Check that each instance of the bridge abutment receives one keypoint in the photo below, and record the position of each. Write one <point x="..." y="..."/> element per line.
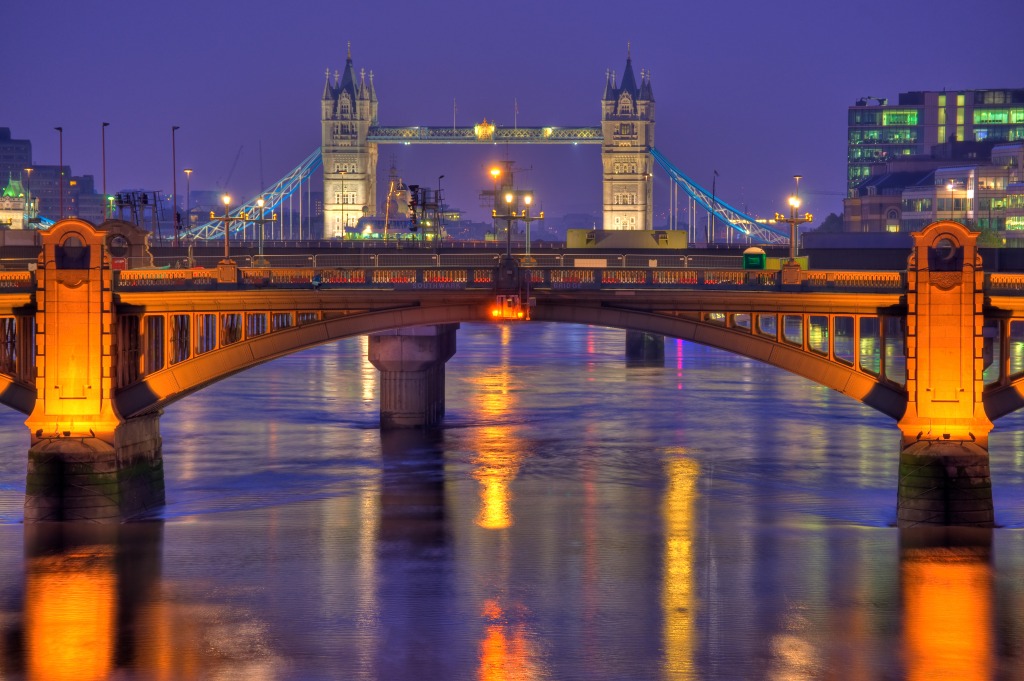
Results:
<point x="411" y="363"/>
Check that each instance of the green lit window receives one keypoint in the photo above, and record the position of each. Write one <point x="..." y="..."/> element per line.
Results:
<point x="899" y="117"/>
<point x="991" y="116"/>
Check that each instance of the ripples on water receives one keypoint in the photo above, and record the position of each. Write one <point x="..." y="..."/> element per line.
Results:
<point x="574" y="519"/>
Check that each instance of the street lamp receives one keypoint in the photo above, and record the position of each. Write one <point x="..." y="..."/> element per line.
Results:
<point x="188" y="197"/>
<point x="495" y="174"/>
<point x="439" y="218"/>
<point x="103" y="143"/>
<point x="28" y="192"/>
<point x="344" y="215"/>
<point x="949" y="186"/>
<point x="174" y="185"/>
<point x="508" y="216"/>
<point x="60" y="133"/>
<point x="261" y="220"/>
<point x="527" y="218"/>
<point x="226" y="200"/>
<point x="793" y="219"/>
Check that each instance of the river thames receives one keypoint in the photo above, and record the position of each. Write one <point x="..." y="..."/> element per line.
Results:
<point x="575" y="518"/>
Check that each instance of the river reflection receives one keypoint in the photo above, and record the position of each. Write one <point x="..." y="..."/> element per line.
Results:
<point x="574" y="519"/>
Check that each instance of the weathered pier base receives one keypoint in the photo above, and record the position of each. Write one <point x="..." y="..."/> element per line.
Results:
<point x="944" y="483"/>
<point x="645" y="349"/>
<point x="411" y="362"/>
<point x="103" y="478"/>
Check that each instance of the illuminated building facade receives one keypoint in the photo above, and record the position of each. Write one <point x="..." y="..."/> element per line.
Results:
<point x="627" y="128"/>
<point x="879" y="132"/>
<point x="981" y="186"/>
<point x="348" y="109"/>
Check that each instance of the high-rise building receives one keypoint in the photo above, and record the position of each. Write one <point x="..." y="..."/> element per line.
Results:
<point x="15" y="156"/>
<point x="879" y="132"/>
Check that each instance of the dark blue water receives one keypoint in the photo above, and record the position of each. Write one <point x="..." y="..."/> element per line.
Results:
<point x="574" y="519"/>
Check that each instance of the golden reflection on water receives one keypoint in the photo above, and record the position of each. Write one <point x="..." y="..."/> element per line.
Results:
<point x="947" y="600"/>
<point x="506" y="651"/>
<point x="498" y="445"/>
<point x="678" y="607"/>
<point x="70" y="610"/>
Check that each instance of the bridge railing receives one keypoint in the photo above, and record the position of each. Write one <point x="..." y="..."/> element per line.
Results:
<point x="403" y="275"/>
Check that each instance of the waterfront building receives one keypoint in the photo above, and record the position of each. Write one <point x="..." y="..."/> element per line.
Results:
<point x="14" y="205"/>
<point x="879" y="132"/>
<point x="980" y="187"/>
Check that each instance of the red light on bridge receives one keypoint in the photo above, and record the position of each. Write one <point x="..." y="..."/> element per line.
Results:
<point x="509" y="307"/>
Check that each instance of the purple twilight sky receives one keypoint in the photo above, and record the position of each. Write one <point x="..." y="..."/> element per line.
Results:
<point x="757" y="91"/>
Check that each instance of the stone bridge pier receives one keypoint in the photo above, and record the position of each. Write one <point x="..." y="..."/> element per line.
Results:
<point x="944" y="474"/>
<point x="85" y="462"/>
<point x="411" y="362"/>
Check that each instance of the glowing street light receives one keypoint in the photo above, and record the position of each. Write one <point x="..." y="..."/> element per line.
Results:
<point x="793" y="219"/>
<point x="226" y="200"/>
<point x="527" y="218"/>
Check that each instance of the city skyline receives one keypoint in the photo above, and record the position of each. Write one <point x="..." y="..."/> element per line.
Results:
<point x="750" y="93"/>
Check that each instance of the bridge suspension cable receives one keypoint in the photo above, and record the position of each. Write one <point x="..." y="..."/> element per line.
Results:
<point x="273" y="197"/>
<point x="735" y="219"/>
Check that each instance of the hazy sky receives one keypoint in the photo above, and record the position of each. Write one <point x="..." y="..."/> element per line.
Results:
<point x="757" y="91"/>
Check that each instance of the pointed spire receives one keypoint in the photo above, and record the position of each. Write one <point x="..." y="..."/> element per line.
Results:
<point x="609" y="86"/>
<point x="373" y="91"/>
<point x="628" y="79"/>
<point x="328" y="93"/>
<point x="349" y="50"/>
<point x="348" y="76"/>
<point x="362" y="85"/>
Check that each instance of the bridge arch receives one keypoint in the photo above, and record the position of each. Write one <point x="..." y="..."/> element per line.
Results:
<point x="164" y="387"/>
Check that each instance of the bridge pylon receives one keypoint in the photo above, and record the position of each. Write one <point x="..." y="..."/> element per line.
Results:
<point x="86" y="462"/>
<point x="944" y="462"/>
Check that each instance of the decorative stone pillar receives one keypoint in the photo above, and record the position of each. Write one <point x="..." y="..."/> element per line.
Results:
<point x="944" y="463"/>
<point x="411" y="362"/>
<point x="86" y="462"/>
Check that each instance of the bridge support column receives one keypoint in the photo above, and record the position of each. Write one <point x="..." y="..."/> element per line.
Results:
<point x="108" y="477"/>
<point x="645" y="349"/>
<point x="411" y="363"/>
<point x="86" y="461"/>
<point x="944" y="463"/>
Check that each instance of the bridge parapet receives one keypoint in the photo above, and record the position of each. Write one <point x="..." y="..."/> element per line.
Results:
<point x="565" y="278"/>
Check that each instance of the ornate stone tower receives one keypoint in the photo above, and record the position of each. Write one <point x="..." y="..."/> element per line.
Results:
<point x="348" y="109"/>
<point x="627" y="125"/>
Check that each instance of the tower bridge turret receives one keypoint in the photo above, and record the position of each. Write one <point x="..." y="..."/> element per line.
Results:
<point x="348" y="110"/>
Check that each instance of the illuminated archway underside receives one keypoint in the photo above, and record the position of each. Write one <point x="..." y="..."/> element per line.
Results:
<point x="164" y="387"/>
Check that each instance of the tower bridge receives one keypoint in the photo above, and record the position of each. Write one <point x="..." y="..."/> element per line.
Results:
<point x="91" y="355"/>
<point x="351" y="132"/>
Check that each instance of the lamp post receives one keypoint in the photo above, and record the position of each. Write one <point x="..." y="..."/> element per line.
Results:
<point x="509" y="216"/>
<point x="439" y="218"/>
<point x="226" y="200"/>
<point x="344" y="216"/>
<point x="527" y="218"/>
<point x="174" y="185"/>
<point x="103" y="145"/>
<point x="793" y="219"/>
<point x="495" y="174"/>
<point x="60" y="162"/>
<point x="261" y="220"/>
<point x="188" y="197"/>
<point x="949" y="186"/>
<point x="28" y="193"/>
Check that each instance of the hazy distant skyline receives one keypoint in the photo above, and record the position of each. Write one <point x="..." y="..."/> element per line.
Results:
<point x="756" y="91"/>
